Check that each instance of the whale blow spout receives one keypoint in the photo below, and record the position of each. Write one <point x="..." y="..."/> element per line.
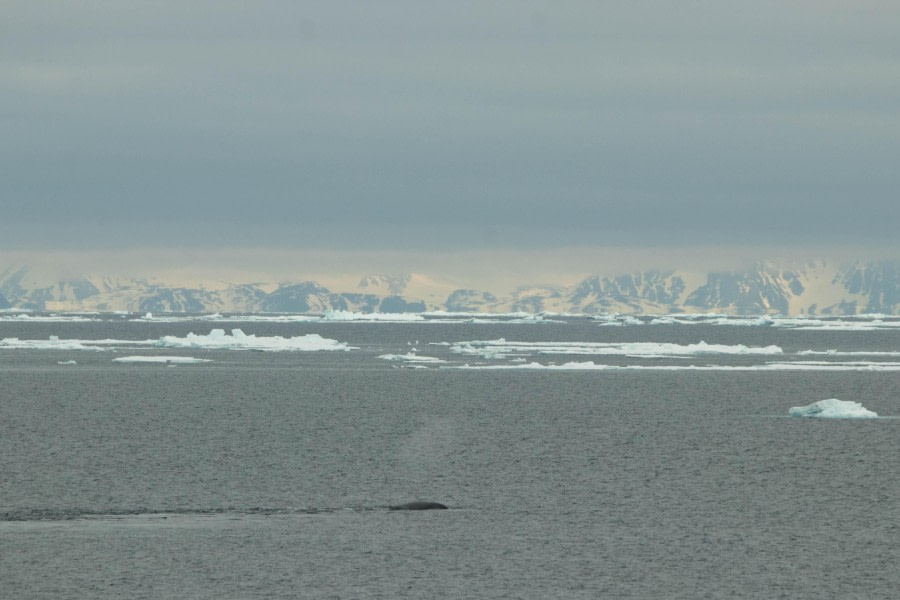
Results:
<point x="418" y="505"/>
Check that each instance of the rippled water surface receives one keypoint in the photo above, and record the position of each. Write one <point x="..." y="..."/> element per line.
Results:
<point x="269" y="474"/>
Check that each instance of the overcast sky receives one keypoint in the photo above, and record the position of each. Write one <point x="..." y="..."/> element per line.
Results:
<point x="411" y="127"/>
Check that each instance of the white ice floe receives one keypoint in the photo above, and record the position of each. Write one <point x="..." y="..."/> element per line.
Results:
<point x="847" y="353"/>
<point x="235" y="318"/>
<point x="150" y="318"/>
<point x="833" y="409"/>
<point x="616" y="320"/>
<point x="217" y="339"/>
<point x="53" y="343"/>
<point x="264" y="318"/>
<point x="780" y="366"/>
<point x="411" y="357"/>
<point x="66" y="362"/>
<point x="480" y="318"/>
<point x="471" y="314"/>
<point x="344" y="315"/>
<point x="664" y="321"/>
<point x="180" y="360"/>
<point x="23" y="318"/>
<point x="686" y="319"/>
<point x="841" y="325"/>
<point x="238" y="340"/>
<point x="501" y="348"/>
<point x="534" y="319"/>
<point x="812" y="365"/>
<point x="763" y="321"/>
<point x="802" y="323"/>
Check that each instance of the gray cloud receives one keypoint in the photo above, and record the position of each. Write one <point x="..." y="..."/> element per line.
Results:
<point x="401" y="124"/>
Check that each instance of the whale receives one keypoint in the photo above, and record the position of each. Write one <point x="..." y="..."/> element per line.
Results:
<point x="418" y="505"/>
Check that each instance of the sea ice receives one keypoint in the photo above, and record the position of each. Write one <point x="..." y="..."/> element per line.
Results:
<point x="500" y="348"/>
<point x="412" y="358"/>
<point x="807" y="324"/>
<point x="664" y="321"/>
<point x="253" y="318"/>
<point x="23" y="318"/>
<point x="616" y="320"/>
<point x="344" y="315"/>
<point x="181" y="360"/>
<point x="781" y="366"/>
<point x="833" y="409"/>
<point x="54" y="343"/>
<point x="238" y="340"/>
<point x="846" y="353"/>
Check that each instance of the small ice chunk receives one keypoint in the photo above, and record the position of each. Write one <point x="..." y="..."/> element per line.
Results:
<point x="833" y="409"/>
<point x="66" y="362"/>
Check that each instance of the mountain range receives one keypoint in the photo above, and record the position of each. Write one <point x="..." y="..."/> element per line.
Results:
<point x="815" y="287"/>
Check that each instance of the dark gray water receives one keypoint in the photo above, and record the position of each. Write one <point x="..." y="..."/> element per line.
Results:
<point x="268" y="474"/>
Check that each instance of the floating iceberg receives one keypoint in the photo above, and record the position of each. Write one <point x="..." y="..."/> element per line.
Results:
<point x="238" y="340"/>
<point x="180" y="360"/>
<point x="833" y="409"/>
<point x="66" y="362"/>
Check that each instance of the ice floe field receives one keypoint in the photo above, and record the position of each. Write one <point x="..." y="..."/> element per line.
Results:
<point x="237" y="456"/>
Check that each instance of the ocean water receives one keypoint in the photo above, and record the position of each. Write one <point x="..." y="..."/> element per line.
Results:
<point x="269" y="474"/>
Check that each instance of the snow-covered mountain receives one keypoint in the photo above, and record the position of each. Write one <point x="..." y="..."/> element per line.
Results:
<point x="811" y="288"/>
